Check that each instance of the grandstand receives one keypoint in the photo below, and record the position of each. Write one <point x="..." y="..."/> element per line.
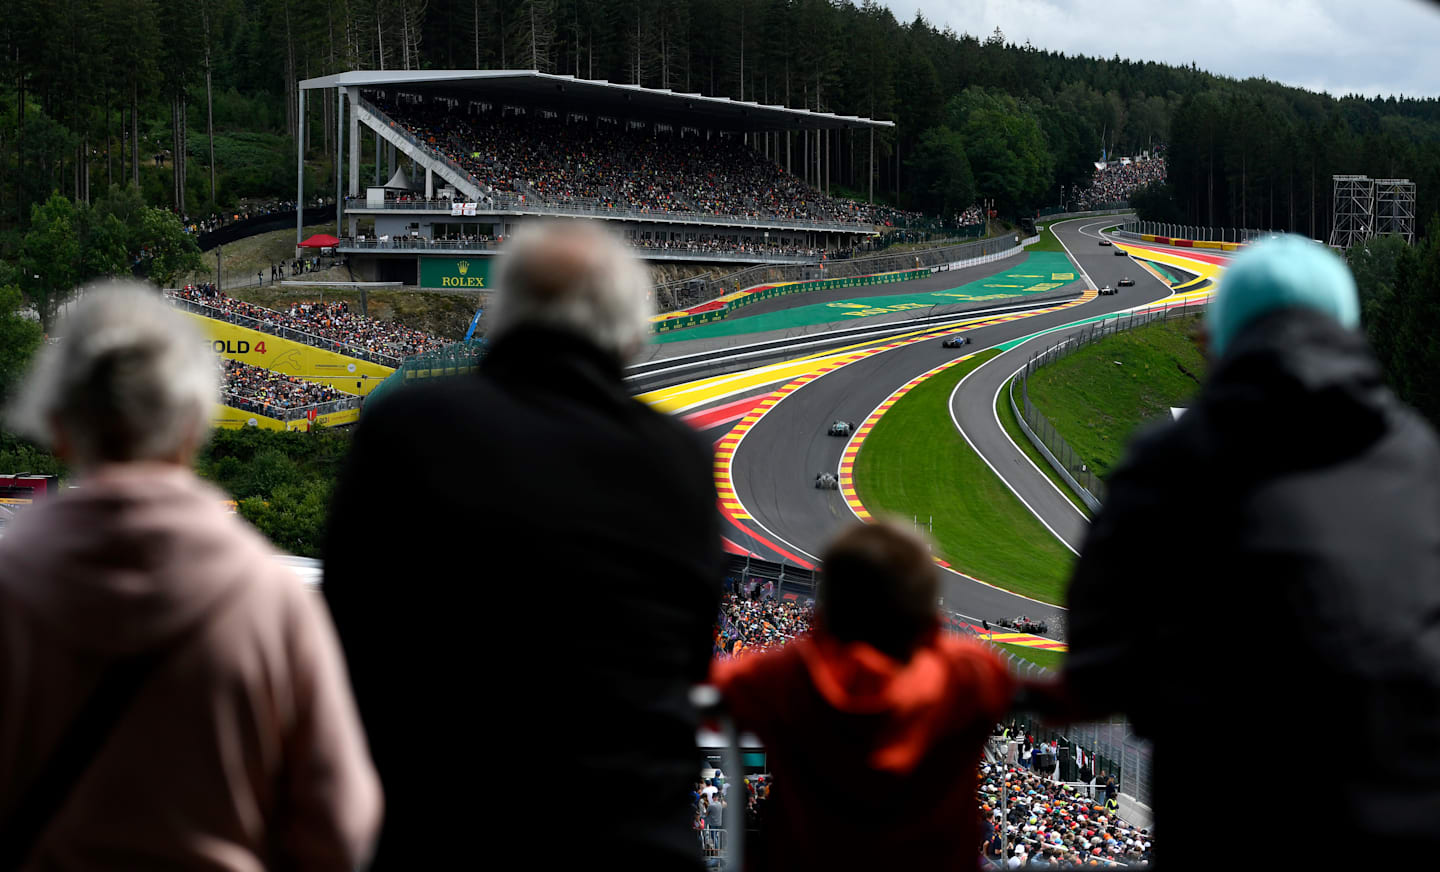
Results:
<point x="463" y="157"/>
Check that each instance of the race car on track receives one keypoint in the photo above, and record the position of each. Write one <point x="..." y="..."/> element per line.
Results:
<point x="1104" y="242"/>
<point x="1127" y="282"/>
<point x="841" y="428"/>
<point x="827" y="481"/>
<point x="1119" y="252"/>
<point x="1107" y="291"/>
<point x="1023" y="624"/>
<point x="955" y="341"/>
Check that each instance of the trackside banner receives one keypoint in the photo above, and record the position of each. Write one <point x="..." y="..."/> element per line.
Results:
<point x="349" y="374"/>
<point x="455" y="272"/>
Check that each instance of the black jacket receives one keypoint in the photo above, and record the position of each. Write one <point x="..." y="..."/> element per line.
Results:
<point x="1274" y="557"/>
<point x="524" y="569"/>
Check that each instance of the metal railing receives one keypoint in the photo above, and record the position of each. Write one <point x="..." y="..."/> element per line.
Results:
<point x="1197" y="233"/>
<point x="422" y="243"/>
<point x="1057" y="213"/>
<point x="288" y="413"/>
<point x="347" y="349"/>
<point x="1042" y="434"/>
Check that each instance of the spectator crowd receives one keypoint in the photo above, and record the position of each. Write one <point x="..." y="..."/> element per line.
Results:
<point x="1118" y="180"/>
<point x="331" y="321"/>
<point x="267" y="392"/>
<point x="754" y="618"/>
<point x="1050" y="824"/>
<point x="606" y="165"/>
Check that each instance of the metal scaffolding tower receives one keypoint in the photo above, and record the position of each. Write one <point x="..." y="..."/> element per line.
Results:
<point x="1395" y="208"/>
<point x="1354" y="211"/>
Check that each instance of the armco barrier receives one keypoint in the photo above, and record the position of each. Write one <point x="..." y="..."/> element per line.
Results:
<point x="731" y="302"/>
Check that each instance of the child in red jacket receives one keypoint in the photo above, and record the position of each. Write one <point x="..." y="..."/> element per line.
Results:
<point x="874" y="725"/>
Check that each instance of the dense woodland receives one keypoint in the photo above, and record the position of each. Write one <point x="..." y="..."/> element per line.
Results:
<point x="99" y="88"/>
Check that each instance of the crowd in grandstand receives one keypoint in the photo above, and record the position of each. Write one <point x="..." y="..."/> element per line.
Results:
<point x="616" y="166"/>
<point x="330" y="321"/>
<point x="1050" y="824"/>
<point x="1118" y="180"/>
<point x="267" y="392"/>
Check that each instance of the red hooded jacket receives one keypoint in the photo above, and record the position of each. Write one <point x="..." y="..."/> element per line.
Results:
<point x="874" y="760"/>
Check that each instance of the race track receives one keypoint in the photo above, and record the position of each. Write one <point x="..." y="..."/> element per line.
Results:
<point x="771" y="459"/>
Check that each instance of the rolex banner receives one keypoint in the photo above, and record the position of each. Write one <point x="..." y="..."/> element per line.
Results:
<point x="455" y="272"/>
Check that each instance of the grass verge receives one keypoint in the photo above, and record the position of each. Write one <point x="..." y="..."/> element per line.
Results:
<point x="1038" y="656"/>
<point x="1099" y="396"/>
<point x="1012" y="428"/>
<point x="1047" y="242"/>
<point x="915" y="463"/>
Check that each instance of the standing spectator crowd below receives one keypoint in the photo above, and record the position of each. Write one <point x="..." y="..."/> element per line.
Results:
<point x="1117" y="181"/>
<point x="333" y="321"/>
<point x="267" y="392"/>
<point x="1051" y="824"/>
<point x="753" y="619"/>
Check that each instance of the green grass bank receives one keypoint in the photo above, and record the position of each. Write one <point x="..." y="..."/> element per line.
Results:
<point x="915" y="463"/>
<point x="1099" y="396"/>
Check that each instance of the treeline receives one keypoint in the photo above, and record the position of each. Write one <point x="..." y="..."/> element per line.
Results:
<point x="98" y="87"/>
<point x="1400" y="312"/>
<point x="1260" y="155"/>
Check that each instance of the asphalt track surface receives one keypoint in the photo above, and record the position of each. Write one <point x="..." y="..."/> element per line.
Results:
<point x="775" y="465"/>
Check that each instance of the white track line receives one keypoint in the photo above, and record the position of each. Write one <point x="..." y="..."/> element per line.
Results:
<point x="1018" y="450"/>
<point x="966" y="436"/>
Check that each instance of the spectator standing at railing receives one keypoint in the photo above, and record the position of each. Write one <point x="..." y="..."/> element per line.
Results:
<point x="874" y="724"/>
<point x="1311" y="503"/>
<point x="172" y="697"/>
<point x="542" y="457"/>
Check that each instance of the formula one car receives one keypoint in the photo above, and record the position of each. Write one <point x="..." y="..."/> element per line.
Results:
<point x="1107" y="291"/>
<point x="955" y="341"/>
<point x="1127" y="282"/>
<point x="1119" y="252"/>
<point x="1104" y="242"/>
<point x="1023" y="624"/>
<point x="841" y="428"/>
<point x="827" y="481"/>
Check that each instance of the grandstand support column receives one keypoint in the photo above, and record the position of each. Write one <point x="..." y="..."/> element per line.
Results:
<point x="378" y="180"/>
<point x="340" y="161"/>
<point x="354" y="145"/>
<point x="429" y="183"/>
<point x="300" y="169"/>
<point x="872" y="166"/>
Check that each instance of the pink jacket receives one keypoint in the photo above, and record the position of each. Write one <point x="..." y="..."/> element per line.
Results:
<point x="244" y="751"/>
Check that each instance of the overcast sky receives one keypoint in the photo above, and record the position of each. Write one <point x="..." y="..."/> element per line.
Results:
<point x="1340" y="46"/>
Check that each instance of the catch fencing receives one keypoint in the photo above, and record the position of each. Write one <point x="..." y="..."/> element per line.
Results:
<point x="1196" y="233"/>
<point x="1038" y="429"/>
<point x="1113" y="745"/>
<point x="699" y="292"/>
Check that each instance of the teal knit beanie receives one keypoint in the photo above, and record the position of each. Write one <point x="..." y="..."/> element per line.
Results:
<point x="1287" y="272"/>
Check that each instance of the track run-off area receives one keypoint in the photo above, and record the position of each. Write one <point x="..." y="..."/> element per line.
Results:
<point x="769" y="424"/>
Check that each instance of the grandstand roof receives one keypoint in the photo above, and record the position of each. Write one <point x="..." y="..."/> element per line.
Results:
<point x="589" y="96"/>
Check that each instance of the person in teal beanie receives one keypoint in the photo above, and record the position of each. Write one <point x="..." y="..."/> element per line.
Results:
<point x="1289" y="272"/>
<point x="1298" y="499"/>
